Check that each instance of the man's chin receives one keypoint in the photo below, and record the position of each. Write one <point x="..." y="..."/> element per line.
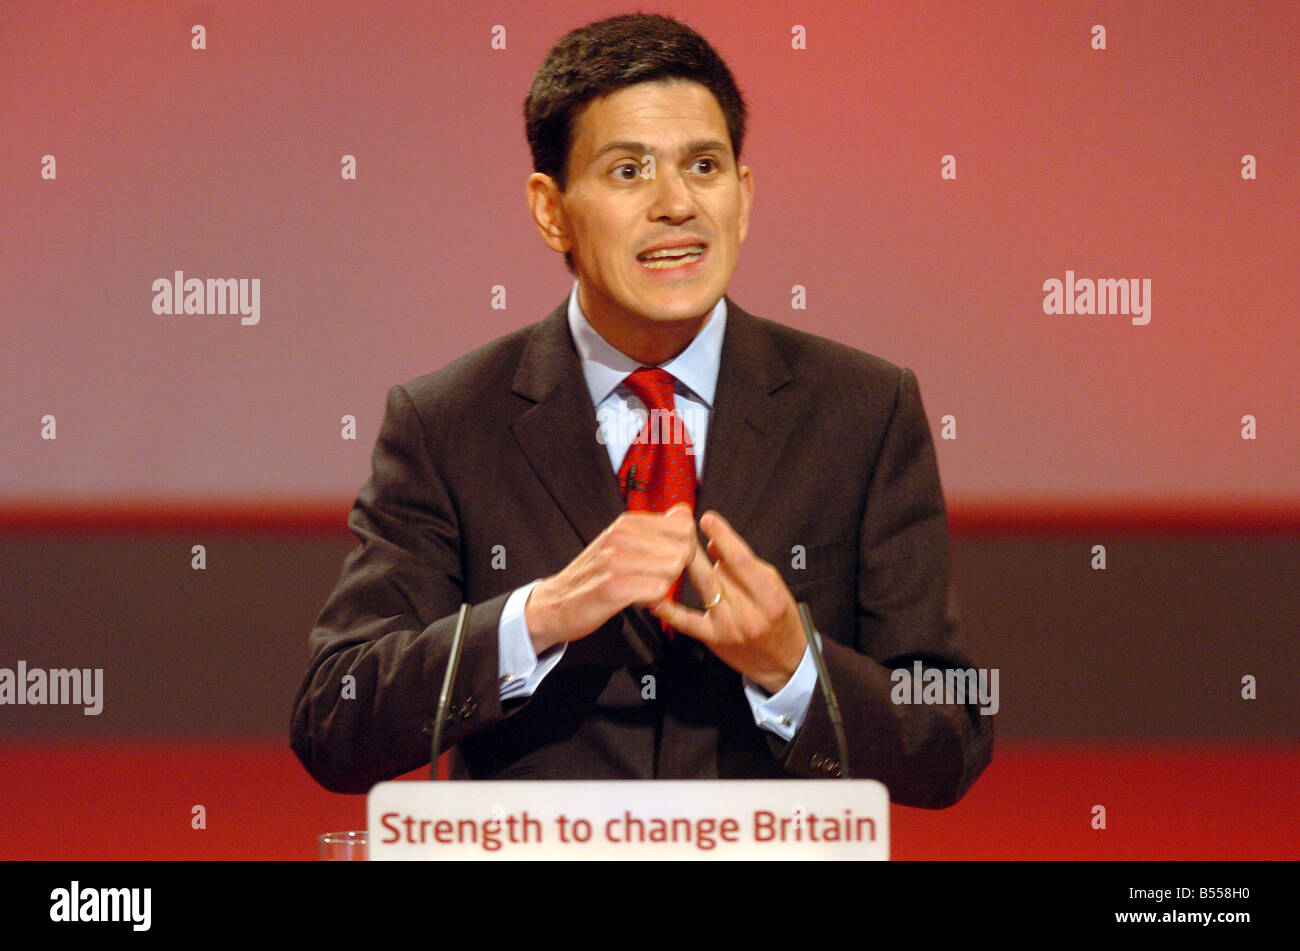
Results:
<point x="678" y="311"/>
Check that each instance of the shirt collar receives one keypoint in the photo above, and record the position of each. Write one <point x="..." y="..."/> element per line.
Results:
<point x="605" y="367"/>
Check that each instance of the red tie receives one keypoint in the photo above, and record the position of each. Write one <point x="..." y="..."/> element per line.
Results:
<point x="659" y="468"/>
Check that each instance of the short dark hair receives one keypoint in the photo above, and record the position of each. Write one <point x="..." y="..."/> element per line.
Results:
<point x="606" y="56"/>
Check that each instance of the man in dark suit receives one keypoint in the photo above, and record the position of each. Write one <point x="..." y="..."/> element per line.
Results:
<point x="614" y="634"/>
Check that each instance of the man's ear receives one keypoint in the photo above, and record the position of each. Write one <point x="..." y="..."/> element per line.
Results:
<point x="746" y="199"/>
<point x="546" y="204"/>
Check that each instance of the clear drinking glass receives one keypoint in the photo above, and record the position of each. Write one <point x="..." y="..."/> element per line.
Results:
<point x="343" y="846"/>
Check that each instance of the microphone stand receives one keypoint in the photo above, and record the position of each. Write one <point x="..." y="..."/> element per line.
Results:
<point x="824" y="679"/>
<point x="444" y="699"/>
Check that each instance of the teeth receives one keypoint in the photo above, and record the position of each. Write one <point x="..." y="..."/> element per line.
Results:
<point x="676" y="257"/>
<point x="695" y="249"/>
<point x="663" y="263"/>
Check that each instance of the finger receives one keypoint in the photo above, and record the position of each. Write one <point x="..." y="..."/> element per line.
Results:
<point x="656" y="534"/>
<point x="696" y="624"/>
<point x="673" y="521"/>
<point x="679" y="547"/>
<point x="682" y="518"/>
<point x="650" y="581"/>
<point x="736" y="561"/>
<point x="692" y="623"/>
<point x="728" y="541"/>
<point x="702" y="576"/>
<point x="732" y="613"/>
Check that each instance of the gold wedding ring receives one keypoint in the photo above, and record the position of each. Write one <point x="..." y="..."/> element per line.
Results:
<point x="717" y="598"/>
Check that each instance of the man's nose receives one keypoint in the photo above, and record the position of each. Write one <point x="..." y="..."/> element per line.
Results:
<point x="673" y="199"/>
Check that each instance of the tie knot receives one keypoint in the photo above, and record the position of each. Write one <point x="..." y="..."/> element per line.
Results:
<point x="654" y="387"/>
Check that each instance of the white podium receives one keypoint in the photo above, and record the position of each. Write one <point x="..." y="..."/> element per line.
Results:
<point x="631" y="820"/>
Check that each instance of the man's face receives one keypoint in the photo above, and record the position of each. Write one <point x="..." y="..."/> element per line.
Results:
<point x="618" y="205"/>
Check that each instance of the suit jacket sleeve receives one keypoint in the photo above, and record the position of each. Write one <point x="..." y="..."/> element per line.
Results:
<point x="388" y="626"/>
<point x="928" y="755"/>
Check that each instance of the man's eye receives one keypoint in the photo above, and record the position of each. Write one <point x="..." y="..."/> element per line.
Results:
<point x="712" y="165"/>
<point x="627" y="172"/>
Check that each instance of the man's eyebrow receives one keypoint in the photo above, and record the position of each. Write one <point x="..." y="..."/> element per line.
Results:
<point x="640" y="148"/>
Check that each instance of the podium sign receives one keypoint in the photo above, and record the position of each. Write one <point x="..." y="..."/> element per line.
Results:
<point x="640" y="820"/>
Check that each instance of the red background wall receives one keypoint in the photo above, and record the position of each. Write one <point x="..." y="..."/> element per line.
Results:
<point x="1123" y="162"/>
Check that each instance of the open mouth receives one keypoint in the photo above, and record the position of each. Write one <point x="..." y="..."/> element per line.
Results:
<point x="671" y="257"/>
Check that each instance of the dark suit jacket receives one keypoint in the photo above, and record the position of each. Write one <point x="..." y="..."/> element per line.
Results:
<point x="488" y="474"/>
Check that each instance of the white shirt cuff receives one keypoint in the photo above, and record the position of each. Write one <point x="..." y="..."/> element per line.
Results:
<point x="519" y="669"/>
<point x="783" y="712"/>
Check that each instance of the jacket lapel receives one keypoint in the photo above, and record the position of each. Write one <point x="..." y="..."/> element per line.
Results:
<point x="558" y="434"/>
<point x="749" y="427"/>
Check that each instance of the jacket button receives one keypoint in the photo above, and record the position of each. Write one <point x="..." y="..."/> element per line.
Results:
<point x="426" y="727"/>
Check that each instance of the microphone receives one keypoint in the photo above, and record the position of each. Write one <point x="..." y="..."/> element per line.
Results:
<point x="449" y="678"/>
<point x="824" y="679"/>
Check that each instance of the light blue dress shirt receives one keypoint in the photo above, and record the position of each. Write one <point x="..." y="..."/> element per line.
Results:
<point x="619" y="413"/>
